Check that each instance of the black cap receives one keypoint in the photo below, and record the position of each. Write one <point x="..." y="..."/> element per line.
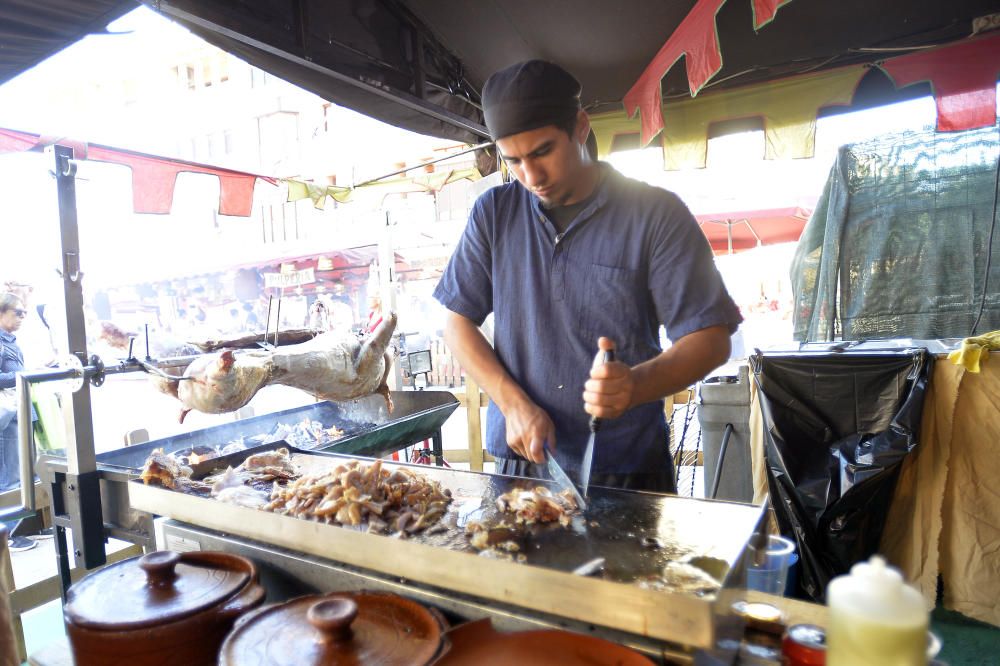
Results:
<point x="529" y="95"/>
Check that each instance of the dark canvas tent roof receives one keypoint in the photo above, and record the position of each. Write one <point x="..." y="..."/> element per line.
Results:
<point x="419" y="64"/>
<point x="33" y="30"/>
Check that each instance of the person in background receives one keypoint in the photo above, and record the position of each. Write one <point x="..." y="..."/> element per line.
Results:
<point x="36" y="334"/>
<point x="318" y="318"/>
<point x="342" y="317"/>
<point x="235" y="322"/>
<point x="12" y="315"/>
<point x="251" y="321"/>
<point x="573" y="256"/>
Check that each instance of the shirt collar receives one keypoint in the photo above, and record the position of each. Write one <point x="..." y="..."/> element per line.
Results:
<point x="598" y="197"/>
<point x="6" y="336"/>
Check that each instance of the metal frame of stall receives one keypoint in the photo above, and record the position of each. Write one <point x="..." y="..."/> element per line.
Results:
<point x="78" y="507"/>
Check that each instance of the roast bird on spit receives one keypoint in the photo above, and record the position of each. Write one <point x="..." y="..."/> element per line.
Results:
<point x="331" y="366"/>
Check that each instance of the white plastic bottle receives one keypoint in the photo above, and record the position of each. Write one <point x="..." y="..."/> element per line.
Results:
<point x="875" y="619"/>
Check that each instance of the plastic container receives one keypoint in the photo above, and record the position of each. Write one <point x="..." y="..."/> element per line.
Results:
<point x="768" y="570"/>
<point x="875" y="619"/>
<point x="725" y="400"/>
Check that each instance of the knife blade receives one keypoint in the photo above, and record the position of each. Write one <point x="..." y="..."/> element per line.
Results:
<point x="561" y="479"/>
<point x="588" y="453"/>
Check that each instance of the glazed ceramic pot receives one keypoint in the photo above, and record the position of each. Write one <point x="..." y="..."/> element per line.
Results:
<point x="339" y="628"/>
<point x="158" y="609"/>
<point x="479" y="644"/>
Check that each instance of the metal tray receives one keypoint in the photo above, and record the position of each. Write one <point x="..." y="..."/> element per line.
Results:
<point x="368" y="428"/>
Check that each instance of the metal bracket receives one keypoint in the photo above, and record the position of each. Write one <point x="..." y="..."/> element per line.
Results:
<point x="68" y="167"/>
<point x="84" y="490"/>
<point x="71" y="267"/>
<point x="96" y="370"/>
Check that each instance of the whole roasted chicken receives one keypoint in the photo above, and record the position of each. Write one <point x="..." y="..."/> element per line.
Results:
<point x="331" y="366"/>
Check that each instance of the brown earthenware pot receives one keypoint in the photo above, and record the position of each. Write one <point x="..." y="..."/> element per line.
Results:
<point x="339" y="628"/>
<point x="159" y="609"/>
<point x="479" y="644"/>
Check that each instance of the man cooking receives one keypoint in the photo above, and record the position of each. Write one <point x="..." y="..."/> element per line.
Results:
<point x="571" y="256"/>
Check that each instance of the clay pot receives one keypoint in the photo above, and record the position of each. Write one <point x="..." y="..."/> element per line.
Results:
<point x="158" y="609"/>
<point x="340" y="628"/>
<point x="479" y="644"/>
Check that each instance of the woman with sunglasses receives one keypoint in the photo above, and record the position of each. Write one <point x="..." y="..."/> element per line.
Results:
<point x="12" y="314"/>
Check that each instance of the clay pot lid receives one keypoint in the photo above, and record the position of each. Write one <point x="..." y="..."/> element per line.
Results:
<point x="479" y="644"/>
<point x="154" y="589"/>
<point x="340" y="628"/>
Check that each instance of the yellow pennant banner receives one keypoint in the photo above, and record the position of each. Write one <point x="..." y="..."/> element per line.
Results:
<point x="788" y="108"/>
<point x="424" y="182"/>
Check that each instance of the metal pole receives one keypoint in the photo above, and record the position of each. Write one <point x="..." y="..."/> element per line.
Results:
<point x="26" y="444"/>
<point x="83" y="501"/>
<point x="387" y="290"/>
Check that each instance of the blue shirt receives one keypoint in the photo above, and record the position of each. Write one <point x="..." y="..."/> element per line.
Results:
<point x="634" y="258"/>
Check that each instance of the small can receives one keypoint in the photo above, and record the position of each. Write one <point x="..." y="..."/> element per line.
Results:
<point x="804" y="645"/>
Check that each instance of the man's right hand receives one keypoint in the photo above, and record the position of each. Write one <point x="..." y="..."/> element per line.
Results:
<point x="528" y="429"/>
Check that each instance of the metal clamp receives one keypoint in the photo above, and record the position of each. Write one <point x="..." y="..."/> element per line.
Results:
<point x="96" y="370"/>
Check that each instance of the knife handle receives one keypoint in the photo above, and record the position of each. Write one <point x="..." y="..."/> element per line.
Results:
<point x="595" y="423"/>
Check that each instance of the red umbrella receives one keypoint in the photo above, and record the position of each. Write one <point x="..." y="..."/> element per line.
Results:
<point x="745" y="230"/>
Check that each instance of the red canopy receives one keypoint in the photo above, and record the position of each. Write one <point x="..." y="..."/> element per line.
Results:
<point x="153" y="177"/>
<point x="745" y="230"/>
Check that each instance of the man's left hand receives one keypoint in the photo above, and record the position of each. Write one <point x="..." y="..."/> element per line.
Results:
<point x="608" y="392"/>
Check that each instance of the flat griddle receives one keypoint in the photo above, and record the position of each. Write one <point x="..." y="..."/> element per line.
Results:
<point x="619" y="526"/>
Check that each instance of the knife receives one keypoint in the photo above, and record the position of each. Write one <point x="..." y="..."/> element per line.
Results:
<point x="595" y="425"/>
<point x="559" y="476"/>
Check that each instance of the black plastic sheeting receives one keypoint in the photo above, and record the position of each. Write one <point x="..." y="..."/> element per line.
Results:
<point x="836" y="429"/>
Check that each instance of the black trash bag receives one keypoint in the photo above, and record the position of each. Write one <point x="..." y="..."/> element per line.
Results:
<point x="836" y="428"/>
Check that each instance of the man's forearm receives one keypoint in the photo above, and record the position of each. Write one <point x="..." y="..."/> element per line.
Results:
<point x="686" y="362"/>
<point x="478" y="358"/>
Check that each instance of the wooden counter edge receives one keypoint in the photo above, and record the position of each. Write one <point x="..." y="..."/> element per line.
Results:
<point x="795" y="611"/>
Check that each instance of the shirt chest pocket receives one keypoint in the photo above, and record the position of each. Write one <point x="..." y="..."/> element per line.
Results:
<point x="610" y="302"/>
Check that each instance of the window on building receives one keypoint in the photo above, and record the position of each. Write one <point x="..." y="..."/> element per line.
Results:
<point x="258" y="78"/>
<point x="206" y="72"/>
<point x="201" y="148"/>
<point x="279" y="138"/>
<point x="184" y="75"/>
<point x="222" y="67"/>
<point x="327" y="113"/>
<point x="216" y="145"/>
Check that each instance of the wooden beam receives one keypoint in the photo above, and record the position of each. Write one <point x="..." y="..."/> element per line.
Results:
<point x="463" y="398"/>
<point x="7" y="583"/>
<point x="462" y="456"/>
<point x="13" y="497"/>
<point x="475" y="432"/>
